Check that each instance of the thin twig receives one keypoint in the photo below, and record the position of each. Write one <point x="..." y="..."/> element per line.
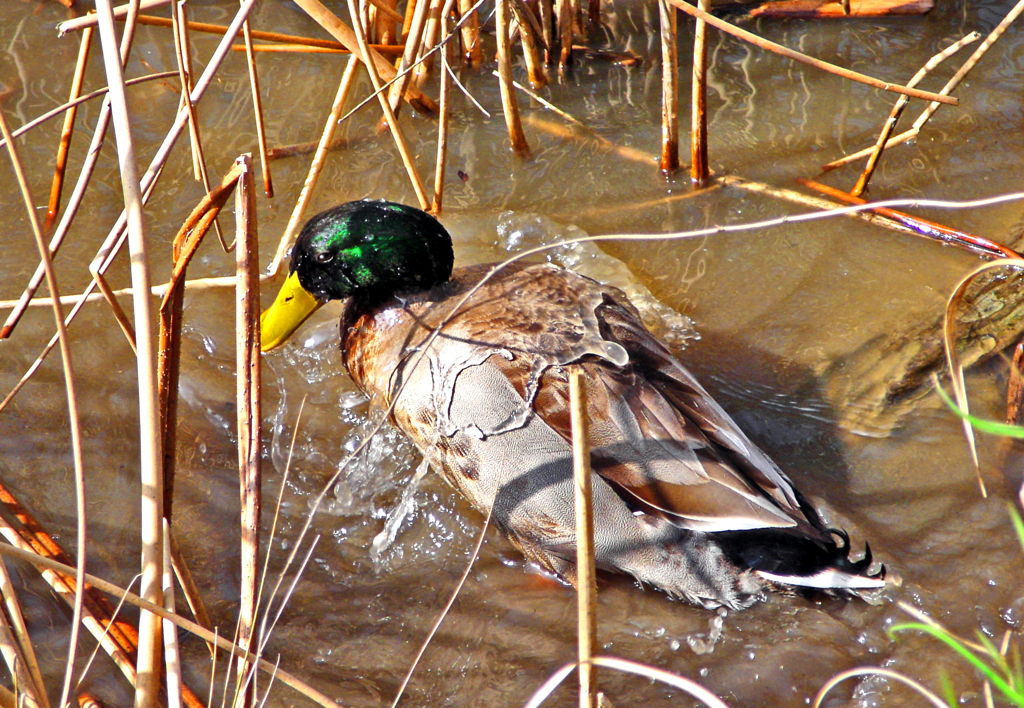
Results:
<point x="811" y="61"/>
<point x="14" y="614"/>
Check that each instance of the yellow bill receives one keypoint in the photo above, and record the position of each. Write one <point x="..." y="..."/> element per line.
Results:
<point x="292" y="306"/>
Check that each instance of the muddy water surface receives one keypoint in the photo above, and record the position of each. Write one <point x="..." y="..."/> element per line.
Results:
<point x="760" y="317"/>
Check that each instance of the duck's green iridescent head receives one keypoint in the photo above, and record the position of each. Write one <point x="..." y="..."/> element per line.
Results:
<point x="365" y="248"/>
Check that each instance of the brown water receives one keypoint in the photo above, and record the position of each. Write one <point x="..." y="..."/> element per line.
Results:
<point x="768" y="310"/>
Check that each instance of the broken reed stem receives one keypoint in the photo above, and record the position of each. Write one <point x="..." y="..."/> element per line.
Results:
<point x="148" y="665"/>
<point x="442" y="127"/>
<point x="326" y="140"/>
<point x="897" y="110"/>
<point x="586" y="576"/>
<point x="67" y="131"/>
<point x="72" y="399"/>
<point x="811" y="61"/>
<point x="547" y="15"/>
<point x="472" y="54"/>
<point x="508" y="97"/>
<point x="172" y="659"/>
<point x="923" y="227"/>
<point x="563" y="15"/>
<point x="669" y="89"/>
<point x="700" y="172"/>
<point x="247" y="338"/>
<point x="953" y="82"/>
<point x="257" y="108"/>
<point x="529" y="30"/>
<point x="17" y="619"/>
<point x="396" y="132"/>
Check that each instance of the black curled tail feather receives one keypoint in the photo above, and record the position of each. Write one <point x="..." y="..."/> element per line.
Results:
<point x="783" y="553"/>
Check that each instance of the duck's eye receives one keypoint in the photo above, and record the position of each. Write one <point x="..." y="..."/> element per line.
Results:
<point x="324" y="257"/>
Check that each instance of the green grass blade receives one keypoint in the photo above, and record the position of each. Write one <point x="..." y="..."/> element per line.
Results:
<point x="992" y="427"/>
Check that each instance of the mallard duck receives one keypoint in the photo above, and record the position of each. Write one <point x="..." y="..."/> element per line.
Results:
<point x="683" y="500"/>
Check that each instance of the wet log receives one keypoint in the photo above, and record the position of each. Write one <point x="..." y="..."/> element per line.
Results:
<point x="831" y="8"/>
<point x="880" y="382"/>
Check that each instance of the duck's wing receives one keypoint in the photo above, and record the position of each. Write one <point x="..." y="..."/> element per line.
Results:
<point x="660" y="439"/>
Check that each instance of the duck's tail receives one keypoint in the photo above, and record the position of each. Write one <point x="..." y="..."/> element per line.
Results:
<point x="820" y="564"/>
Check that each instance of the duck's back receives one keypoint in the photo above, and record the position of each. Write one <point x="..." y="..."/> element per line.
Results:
<point x="682" y="499"/>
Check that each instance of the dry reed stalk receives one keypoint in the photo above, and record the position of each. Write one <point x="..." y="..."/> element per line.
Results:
<point x="594" y="15"/>
<point x="953" y="82"/>
<point x="117" y="637"/>
<point x="69" y="387"/>
<point x="344" y="34"/>
<point x="897" y="110"/>
<point x="442" y="127"/>
<point x="669" y="89"/>
<point x="812" y="202"/>
<point x="531" y="35"/>
<point x="472" y="54"/>
<point x="257" y="108"/>
<point x="172" y="658"/>
<point x="563" y="22"/>
<point x="396" y="132"/>
<point x="10" y="650"/>
<point x="17" y="619"/>
<point x="923" y="227"/>
<point x="413" y="38"/>
<point x="87" y="700"/>
<point x="147" y="686"/>
<point x="1015" y="388"/>
<point x="247" y="338"/>
<point x="67" y="131"/>
<point x="111" y="245"/>
<point x="120" y="12"/>
<point x="586" y="573"/>
<point x="270" y="37"/>
<point x="430" y="37"/>
<point x="547" y="20"/>
<point x="99" y="584"/>
<point x="810" y="61"/>
<point x="508" y="97"/>
<point x="189" y="589"/>
<point x="326" y="141"/>
<point x="179" y="29"/>
<point x="700" y="171"/>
